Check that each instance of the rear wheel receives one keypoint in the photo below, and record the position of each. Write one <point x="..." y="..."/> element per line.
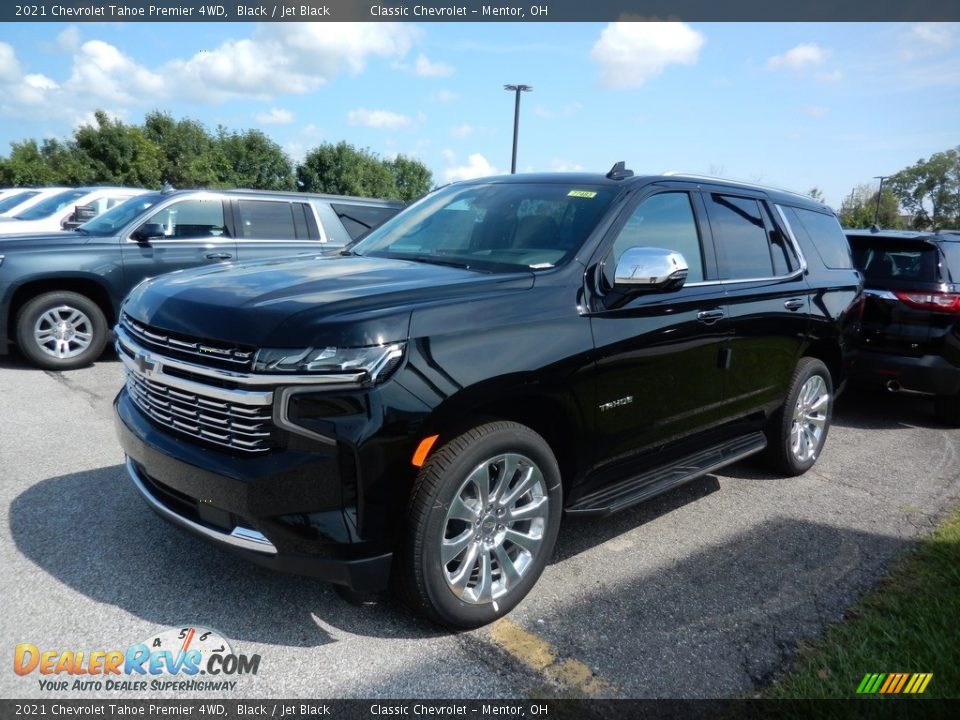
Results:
<point x="61" y="330"/>
<point x="481" y="525"/>
<point x="798" y="431"/>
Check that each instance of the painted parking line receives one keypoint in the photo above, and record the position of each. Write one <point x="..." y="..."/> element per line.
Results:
<point x="576" y="678"/>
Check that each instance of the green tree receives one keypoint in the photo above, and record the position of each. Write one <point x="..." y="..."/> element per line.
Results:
<point x="192" y="156"/>
<point x="26" y="166"/>
<point x="254" y="161"/>
<point x="342" y="169"/>
<point x="120" y="154"/>
<point x="930" y="190"/>
<point x="817" y="194"/>
<point x="859" y="208"/>
<point x="411" y="177"/>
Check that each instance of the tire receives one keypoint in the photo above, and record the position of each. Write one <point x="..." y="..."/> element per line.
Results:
<point x="474" y="587"/>
<point x="799" y="429"/>
<point x="947" y="409"/>
<point x="61" y="330"/>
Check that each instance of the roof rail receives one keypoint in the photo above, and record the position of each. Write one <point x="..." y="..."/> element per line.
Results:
<point x="729" y="181"/>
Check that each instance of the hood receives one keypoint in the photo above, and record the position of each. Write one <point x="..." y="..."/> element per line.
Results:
<point x="43" y="240"/>
<point x="23" y="227"/>
<point x="336" y="301"/>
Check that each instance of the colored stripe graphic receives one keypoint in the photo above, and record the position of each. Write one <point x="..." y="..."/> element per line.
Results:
<point x="894" y="683"/>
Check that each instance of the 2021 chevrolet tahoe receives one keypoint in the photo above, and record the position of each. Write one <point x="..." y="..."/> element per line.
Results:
<point x="421" y="410"/>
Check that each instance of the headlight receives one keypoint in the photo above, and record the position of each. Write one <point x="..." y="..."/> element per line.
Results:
<point x="377" y="361"/>
<point x="1" y="259"/>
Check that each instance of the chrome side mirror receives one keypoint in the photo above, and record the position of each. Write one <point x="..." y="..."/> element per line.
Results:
<point x="650" y="268"/>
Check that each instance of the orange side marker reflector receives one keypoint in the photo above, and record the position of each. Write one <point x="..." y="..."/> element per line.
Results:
<point x="423" y="449"/>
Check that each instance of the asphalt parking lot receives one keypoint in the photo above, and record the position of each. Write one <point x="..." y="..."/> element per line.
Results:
<point x="703" y="592"/>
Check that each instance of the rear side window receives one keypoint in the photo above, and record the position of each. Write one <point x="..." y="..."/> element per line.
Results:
<point x="884" y="261"/>
<point x="358" y="220"/>
<point x="741" y="237"/>
<point x="824" y="233"/>
<point x="268" y="220"/>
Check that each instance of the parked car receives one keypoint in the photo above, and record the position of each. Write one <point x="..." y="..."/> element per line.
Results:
<point x="20" y="200"/>
<point x="59" y="292"/>
<point x="911" y="334"/>
<point x="426" y="406"/>
<point x="56" y="212"/>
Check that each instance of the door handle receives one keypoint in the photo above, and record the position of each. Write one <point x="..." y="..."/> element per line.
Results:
<point x="794" y="304"/>
<point x="219" y="256"/>
<point x="709" y="316"/>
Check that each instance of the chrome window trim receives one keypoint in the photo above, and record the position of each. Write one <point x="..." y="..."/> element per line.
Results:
<point x="250" y="379"/>
<point x="240" y="536"/>
<point x="792" y="237"/>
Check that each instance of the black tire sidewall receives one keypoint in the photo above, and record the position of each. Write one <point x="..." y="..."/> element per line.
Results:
<point x="807" y="368"/>
<point x="518" y="439"/>
<point x="27" y="318"/>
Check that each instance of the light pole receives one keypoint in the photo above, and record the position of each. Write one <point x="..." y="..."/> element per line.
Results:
<point x="876" y="213"/>
<point x="516" y="120"/>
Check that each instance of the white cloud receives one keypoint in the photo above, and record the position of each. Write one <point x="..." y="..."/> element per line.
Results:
<point x="424" y="68"/>
<point x="381" y="119"/>
<point x="477" y="166"/>
<point x="69" y="39"/>
<point x="103" y="72"/>
<point x="276" y="116"/>
<point x="630" y="53"/>
<point x="444" y="96"/>
<point x="941" y="35"/>
<point x="9" y="66"/>
<point x="289" y="58"/>
<point x="799" y="57"/>
<point x="462" y="131"/>
<point x="816" y="111"/>
<point x="560" y="165"/>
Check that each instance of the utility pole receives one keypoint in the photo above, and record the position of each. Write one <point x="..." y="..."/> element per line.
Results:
<point x="516" y="120"/>
<point x="876" y="213"/>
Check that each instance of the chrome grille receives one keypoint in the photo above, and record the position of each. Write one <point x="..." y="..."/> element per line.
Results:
<point x="230" y="356"/>
<point x="229" y="424"/>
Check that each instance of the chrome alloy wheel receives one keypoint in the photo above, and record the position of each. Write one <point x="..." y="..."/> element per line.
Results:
<point x="63" y="332"/>
<point x="809" y="418"/>
<point x="494" y="528"/>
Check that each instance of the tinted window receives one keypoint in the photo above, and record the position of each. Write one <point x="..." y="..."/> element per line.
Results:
<point x="358" y="220"/>
<point x="191" y="219"/>
<point x="664" y="221"/>
<point x="951" y="269"/>
<point x="14" y="199"/>
<point x="265" y="220"/>
<point x="883" y="261"/>
<point x="116" y="217"/>
<point x="741" y="237"/>
<point x="824" y="232"/>
<point x="53" y="204"/>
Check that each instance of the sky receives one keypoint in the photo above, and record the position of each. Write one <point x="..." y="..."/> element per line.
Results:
<point x="791" y="105"/>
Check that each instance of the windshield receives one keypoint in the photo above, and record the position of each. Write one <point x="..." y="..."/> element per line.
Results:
<point x="54" y="203"/>
<point x="110" y="222"/>
<point x="496" y="226"/>
<point x="11" y="201"/>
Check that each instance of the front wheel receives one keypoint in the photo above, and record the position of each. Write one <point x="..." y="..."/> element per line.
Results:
<point x="481" y="524"/>
<point x="61" y="330"/>
<point x="798" y="431"/>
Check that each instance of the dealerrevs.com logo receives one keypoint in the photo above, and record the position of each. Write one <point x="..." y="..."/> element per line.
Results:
<point x="180" y="660"/>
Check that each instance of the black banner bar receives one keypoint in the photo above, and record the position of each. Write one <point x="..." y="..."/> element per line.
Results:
<point x="77" y="11"/>
<point x="874" y="708"/>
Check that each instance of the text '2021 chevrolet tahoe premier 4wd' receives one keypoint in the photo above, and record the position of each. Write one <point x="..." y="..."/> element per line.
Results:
<point x="425" y="407"/>
<point x="60" y="291"/>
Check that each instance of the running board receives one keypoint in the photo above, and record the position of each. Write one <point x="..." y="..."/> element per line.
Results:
<point x="629" y="492"/>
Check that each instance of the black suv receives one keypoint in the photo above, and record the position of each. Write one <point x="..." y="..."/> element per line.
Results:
<point x="911" y="338"/>
<point x="426" y="406"/>
<point x="59" y="292"/>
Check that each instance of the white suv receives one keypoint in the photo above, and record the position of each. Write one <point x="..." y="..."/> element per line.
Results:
<point x="55" y="211"/>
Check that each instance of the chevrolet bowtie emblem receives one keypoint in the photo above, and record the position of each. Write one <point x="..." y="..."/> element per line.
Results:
<point x="144" y="364"/>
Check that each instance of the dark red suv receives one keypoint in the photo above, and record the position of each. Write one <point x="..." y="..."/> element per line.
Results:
<point x="910" y="339"/>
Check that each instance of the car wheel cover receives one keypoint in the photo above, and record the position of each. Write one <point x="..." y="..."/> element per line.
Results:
<point x="63" y="332"/>
<point x="494" y="528"/>
<point x="809" y="419"/>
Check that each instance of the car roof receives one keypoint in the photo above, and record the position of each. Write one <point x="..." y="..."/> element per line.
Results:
<point x="581" y="178"/>
<point x="293" y="194"/>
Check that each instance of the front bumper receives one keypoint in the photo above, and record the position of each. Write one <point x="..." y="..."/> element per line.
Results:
<point x="927" y="374"/>
<point x="284" y="513"/>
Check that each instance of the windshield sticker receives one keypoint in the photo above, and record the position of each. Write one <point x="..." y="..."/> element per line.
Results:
<point x="582" y="193"/>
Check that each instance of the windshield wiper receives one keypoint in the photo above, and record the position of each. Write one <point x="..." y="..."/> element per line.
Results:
<point x="434" y="260"/>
